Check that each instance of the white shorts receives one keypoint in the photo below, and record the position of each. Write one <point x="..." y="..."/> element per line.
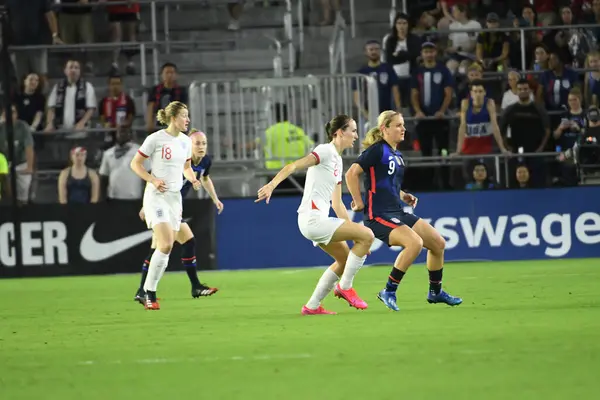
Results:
<point x="318" y="227"/>
<point x="163" y="208"/>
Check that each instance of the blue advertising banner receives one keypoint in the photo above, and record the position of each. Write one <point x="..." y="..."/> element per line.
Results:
<point x="485" y="225"/>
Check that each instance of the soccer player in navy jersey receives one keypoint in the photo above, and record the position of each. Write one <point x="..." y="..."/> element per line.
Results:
<point x="384" y="166"/>
<point x="201" y="164"/>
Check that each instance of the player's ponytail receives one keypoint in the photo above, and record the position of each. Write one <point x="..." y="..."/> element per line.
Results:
<point x="376" y="134"/>
<point x="161" y="117"/>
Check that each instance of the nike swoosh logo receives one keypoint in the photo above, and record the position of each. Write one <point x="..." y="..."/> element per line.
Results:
<point x="93" y="251"/>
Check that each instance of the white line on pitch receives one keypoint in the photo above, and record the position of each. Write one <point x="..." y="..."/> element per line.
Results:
<point x="265" y="357"/>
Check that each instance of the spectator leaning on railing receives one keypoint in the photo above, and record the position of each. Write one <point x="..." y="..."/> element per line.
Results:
<point x="32" y="23"/>
<point x="161" y="95"/>
<point x="72" y="102"/>
<point x="24" y="153"/>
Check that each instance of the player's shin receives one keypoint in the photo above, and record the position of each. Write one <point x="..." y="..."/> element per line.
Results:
<point x="353" y="265"/>
<point x="435" y="266"/>
<point x="188" y="259"/>
<point x="324" y="286"/>
<point x="158" y="265"/>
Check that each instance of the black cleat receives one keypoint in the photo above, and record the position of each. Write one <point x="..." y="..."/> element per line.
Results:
<point x="140" y="297"/>
<point x="203" y="290"/>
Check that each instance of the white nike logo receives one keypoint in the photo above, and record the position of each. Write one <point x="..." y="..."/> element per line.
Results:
<point x="94" y="251"/>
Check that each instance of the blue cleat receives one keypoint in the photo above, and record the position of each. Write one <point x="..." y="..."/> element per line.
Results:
<point x="389" y="299"/>
<point x="443" y="297"/>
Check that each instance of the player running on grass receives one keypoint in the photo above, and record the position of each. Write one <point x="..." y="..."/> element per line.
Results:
<point x="170" y="151"/>
<point x="384" y="166"/>
<point x="322" y="187"/>
<point x="201" y="164"/>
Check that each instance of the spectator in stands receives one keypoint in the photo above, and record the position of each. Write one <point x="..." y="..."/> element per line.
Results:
<point x="77" y="27"/>
<point x="529" y="128"/>
<point x="541" y="57"/>
<point x="546" y="11"/>
<point x="511" y="96"/>
<point x="119" y="182"/>
<point x="401" y="50"/>
<point x="557" y="40"/>
<point x="448" y="13"/>
<point x="24" y="153"/>
<point x="555" y="85"/>
<point x="235" y="9"/>
<point x="522" y="175"/>
<point x="161" y="95"/>
<point x="330" y="9"/>
<point x="284" y="141"/>
<point x="591" y="86"/>
<point x="474" y="73"/>
<point x="424" y="10"/>
<point x="78" y="184"/>
<point x="431" y="95"/>
<point x="461" y="48"/>
<point x="30" y="21"/>
<point x="117" y="109"/>
<point x="4" y="179"/>
<point x="481" y="180"/>
<point x="515" y="57"/>
<point x="123" y="17"/>
<point x="387" y="81"/>
<point x="493" y="48"/>
<point x="425" y="27"/>
<point x="31" y="103"/>
<point x="72" y="102"/>
<point x="567" y="134"/>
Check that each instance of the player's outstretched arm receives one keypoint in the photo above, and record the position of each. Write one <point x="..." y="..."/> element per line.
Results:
<point x="353" y="183"/>
<point x="208" y="185"/>
<point x="264" y="193"/>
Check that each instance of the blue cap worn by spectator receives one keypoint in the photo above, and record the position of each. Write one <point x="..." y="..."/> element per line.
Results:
<point x="428" y="45"/>
<point x="492" y="17"/>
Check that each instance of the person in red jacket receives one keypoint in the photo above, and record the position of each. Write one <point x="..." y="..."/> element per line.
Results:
<point x="123" y="19"/>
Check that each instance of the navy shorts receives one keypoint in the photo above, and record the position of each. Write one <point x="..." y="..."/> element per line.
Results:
<point x="386" y="223"/>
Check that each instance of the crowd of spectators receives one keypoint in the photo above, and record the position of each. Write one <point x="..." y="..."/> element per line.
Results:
<point x="424" y="67"/>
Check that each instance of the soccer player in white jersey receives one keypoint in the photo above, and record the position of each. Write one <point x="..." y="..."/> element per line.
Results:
<point x="322" y="188"/>
<point x="170" y="152"/>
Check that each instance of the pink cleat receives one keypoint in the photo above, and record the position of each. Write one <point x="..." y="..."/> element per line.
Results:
<point x="351" y="297"/>
<point x="318" y="311"/>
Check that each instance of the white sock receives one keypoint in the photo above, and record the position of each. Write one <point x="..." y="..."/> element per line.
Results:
<point x="325" y="285"/>
<point x="158" y="264"/>
<point x="353" y="264"/>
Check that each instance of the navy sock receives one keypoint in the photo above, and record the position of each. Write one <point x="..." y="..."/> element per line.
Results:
<point x="394" y="280"/>
<point x="435" y="281"/>
<point x="188" y="259"/>
<point x="145" y="268"/>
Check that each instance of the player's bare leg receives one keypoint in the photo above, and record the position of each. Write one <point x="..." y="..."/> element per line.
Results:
<point x="158" y="264"/>
<point x="339" y="252"/>
<point x="435" y="243"/>
<point x="188" y="258"/>
<point x="412" y="244"/>
<point x="363" y="239"/>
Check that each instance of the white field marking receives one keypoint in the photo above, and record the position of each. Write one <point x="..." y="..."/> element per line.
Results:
<point x="264" y="357"/>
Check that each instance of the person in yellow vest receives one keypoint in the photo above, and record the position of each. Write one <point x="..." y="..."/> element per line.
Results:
<point x="4" y="182"/>
<point x="284" y="142"/>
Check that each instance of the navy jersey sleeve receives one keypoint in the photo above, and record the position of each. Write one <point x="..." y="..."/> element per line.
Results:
<point x="370" y="157"/>
<point x="208" y="165"/>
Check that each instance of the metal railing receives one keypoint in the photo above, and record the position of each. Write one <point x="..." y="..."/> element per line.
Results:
<point x="337" y="47"/>
<point x="236" y="114"/>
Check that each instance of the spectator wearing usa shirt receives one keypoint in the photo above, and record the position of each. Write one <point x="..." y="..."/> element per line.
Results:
<point x="117" y="109"/>
<point x="161" y="95"/>
<point x="387" y="81"/>
<point x="118" y="180"/>
<point x="432" y="87"/>
<point x="555" y="85"/>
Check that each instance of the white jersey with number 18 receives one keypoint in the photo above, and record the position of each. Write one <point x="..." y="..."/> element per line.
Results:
<point x="321" y="179"/>
<point x="168" y="155"/>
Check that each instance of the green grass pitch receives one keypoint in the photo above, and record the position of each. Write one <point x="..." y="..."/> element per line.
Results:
<point x="526" y="330"/>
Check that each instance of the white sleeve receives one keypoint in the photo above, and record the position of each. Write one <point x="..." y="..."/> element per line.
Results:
<point x="52" y="98"/>
<point x="90" y="96"/>
<point x="504" y="101"/>
<point x="148" y="147"/>
<point x="321" y="153"/>
<point x="104" y="168"/>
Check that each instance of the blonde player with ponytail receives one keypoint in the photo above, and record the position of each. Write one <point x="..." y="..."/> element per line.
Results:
<point x="383" y="166"/>
<point x="170" y="151"/>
